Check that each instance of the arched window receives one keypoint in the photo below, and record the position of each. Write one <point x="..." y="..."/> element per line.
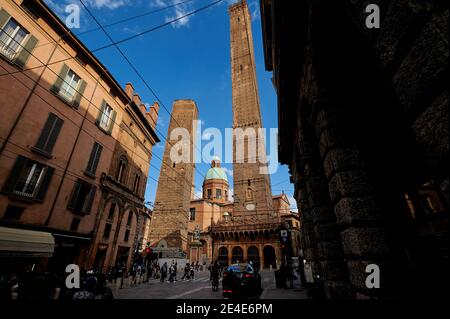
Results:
<point x="121" y="171"/>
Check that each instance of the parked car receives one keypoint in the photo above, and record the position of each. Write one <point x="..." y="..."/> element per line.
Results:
<point x="241" y="281"/>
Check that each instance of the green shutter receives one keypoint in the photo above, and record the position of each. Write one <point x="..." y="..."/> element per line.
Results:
<point x="102" y="110"/>
<point x="89" y="200"/>
<point x="74" y="196"/>
<point x="15" y="174"/>
<point x="60" y="79"/>
<point x="4" y="16"/>
<point x="54" y="135"/>
<point x="45" y="183"/>
<point x="48" y="127"/>
<point x="26" y="51"/>
<point x="98" y="153"/>
<point x="79" y="94"/>
<point x="94" y="158"/>
<point x="112" y="122"/>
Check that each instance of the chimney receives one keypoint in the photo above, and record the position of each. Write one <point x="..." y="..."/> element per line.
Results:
<point x="154" y="110"/>
<point x="129" y="90"/>
<point x="137" y="99"/>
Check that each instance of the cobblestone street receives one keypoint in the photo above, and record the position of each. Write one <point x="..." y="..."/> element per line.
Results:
<point x="200" y="288"/>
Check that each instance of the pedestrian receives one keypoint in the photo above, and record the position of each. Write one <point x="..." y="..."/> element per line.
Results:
<point x="186" y="272"/>
<point x="120" y="273"/>
<point x="175" y="270"/>
<point x="164" y="272"/>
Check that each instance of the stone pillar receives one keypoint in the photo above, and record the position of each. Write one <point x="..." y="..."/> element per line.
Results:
<point x="321" y="221"/>
<point x="355" y="207"/>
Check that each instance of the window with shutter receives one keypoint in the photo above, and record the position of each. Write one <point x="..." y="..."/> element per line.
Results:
<point x="94" y="159"/>
<point x="12" y="37"/>
<point x="28" y="179"/>
<point x="82" y="197"/>
<point x="49" y="134"/>
<point x="106" y="118"/>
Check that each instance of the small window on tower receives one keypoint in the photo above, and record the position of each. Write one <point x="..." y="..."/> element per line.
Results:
<point x="241" y="67"/>
<point x="249" y="182"/>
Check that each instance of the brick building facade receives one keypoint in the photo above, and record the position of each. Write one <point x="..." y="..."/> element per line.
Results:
<point x="65" y="125"/>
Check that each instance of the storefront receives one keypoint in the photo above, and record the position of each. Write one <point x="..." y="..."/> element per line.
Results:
<point x="24" y="250"/>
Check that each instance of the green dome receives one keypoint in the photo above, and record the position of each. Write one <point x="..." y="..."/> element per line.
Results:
<point x="216" y="173"/>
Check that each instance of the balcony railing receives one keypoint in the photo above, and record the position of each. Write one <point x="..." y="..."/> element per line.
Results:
<point x="6" y="51"/>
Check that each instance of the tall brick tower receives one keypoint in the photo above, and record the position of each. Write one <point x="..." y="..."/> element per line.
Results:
<point x="171" y="212"/>
<point x="252" y="193"/>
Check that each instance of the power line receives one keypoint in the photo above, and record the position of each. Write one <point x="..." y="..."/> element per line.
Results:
<point x="135" y="69"/>
<point x="148" y="86"/>
<point x="85" y="98"/>
<point x="129" y="38"/>
<point x="124" y="20"/>
<point x="103" y="145"/>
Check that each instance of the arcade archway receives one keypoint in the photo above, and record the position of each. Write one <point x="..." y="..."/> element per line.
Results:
<point x="253" y="256"/>
<point x="269" y="257"/>
<point x="237" y="255"/>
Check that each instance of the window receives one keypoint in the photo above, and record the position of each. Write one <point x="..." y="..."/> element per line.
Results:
<point x="75" y="223"/>
<point x="69" y="85"/>
<point x="106" y="118"/>
<point x="94" y="159"/>
<point x="218" y="193"/>
<point x="107" y="231"/>
<point x="249" y="183"/>
<point x="12" y="36"/>
<point x="121" y="172"/>
<point x="209" y="194"/>
<point x="28" y="179"/>
<point x="13" y="212"/>
<point x="127" y="235"/>
<point x="226" y="195"/>
<point x="137" y="179"/>
<point x="130" y="218"/>
<point x="83" y="195"/>
<point x="192" y="214"/>
<point x="112" y="209"/>
<point x="48" y="136"/>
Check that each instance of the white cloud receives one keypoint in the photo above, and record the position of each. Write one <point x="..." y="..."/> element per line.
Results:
<point x="180" y="11"/>
<point x="198" y="195"/>
<point x="158" y="3"/>
<point x="230" y="194"/>
<point x="109" y="4"/>
<point x="293" y="204"/>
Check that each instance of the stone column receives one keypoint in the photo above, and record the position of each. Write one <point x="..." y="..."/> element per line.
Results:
<point x="320" y="219"/>
<point x="353" y="199"/>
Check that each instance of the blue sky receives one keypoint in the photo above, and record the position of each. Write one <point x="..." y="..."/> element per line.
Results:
<point x="186" y="60"/>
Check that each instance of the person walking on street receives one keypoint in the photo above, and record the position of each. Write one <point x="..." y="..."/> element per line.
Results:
<point x="164" y="272"/>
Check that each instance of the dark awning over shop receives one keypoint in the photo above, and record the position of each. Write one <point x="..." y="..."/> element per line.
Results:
<point x="27" y="243"/>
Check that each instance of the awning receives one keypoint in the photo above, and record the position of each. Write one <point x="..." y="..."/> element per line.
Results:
<point x="26" y="243"/>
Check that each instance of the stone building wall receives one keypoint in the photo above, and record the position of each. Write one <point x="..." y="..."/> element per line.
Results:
<point x="368" y="109"/>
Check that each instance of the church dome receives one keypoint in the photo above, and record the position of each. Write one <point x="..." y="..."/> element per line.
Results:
<point x="216" y="172"/>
